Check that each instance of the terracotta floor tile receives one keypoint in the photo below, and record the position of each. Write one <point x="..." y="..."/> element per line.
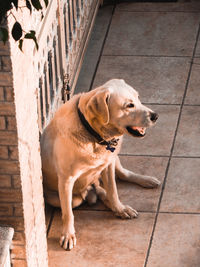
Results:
<point x="181" y="193"/>
<point x="136" y="196"/>
<point x="157" y="79"/>
<point x="102" y="240"/>
<point x="139" y="198"/>
<point x="152" y="33"/>
<point x="193" y="95"/>
<point x="176" y="241"/>
<point x="158" y="139"/>
<point x="94" y="48"/>
<point x="180" y="5"/>
<point x="188" y="136"/>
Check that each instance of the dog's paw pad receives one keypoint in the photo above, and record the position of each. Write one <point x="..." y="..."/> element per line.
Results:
<point x="68" y="241"/>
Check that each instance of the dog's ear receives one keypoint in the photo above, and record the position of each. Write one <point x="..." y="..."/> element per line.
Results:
<point x="98" y="106"/>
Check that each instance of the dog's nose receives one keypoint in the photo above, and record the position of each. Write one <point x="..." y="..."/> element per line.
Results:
<point x="153" y="116"/>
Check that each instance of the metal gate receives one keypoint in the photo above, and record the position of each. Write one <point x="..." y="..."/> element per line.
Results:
<point x="62" y="39"/>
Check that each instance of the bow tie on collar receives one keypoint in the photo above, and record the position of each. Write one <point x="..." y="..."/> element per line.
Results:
<point x="110" y="145"/>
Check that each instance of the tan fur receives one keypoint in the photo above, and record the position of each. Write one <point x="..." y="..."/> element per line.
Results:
<point x="72" y="160"/>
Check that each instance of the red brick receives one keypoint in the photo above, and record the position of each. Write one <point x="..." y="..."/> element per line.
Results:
<point x="18" y="263"/>
<point x="10" y="195"/>
<point x="19" y="238"/>
<point x="7" y="108"/>
<point x="11" y="123"/>
<point x="9" y="167"/>
<point x="13" y="152"/>
<point x="16" y="222"/>
<point x="8" y="138"/>
<point x="9" y="94"/>
<point x="6" y="78"/>
<point x="2" y="123"/>
<point x="6" y="63"/>
<point x="1" y="94"/>
<point x="19" y="252"/>
<point x="4" y="48"/>
<point x="16" y="181"/>
<point x="3" y="152"/>
<point x="6" y="209"/>
<point x="5" y="181"/>
<point x="18" y="209"/>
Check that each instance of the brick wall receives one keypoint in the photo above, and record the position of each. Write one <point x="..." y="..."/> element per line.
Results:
<point x="11" y="211"/>
<point x="21" y="193"/>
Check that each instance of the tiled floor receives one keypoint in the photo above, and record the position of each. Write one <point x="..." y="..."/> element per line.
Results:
<point x="155" y="47"/>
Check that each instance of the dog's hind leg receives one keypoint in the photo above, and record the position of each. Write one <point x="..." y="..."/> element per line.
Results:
<point x="129" y="176"/>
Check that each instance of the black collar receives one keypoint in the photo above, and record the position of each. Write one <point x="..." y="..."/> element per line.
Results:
<point x="109" y="144"/>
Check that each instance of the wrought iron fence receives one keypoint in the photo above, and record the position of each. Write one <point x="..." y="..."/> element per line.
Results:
<point x="62" y="40"/>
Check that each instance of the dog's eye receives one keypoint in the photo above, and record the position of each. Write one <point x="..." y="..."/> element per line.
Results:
<point x="130" y="105"/>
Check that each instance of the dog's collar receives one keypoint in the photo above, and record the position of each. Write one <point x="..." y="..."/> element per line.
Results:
<point x="110" y="145"/>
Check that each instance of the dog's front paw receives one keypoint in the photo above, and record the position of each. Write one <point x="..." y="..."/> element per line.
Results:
<point x="126" y="212"/>
<point x="68" y="241"/>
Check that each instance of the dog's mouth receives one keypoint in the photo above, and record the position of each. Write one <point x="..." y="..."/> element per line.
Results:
<point x="136" y="131"/>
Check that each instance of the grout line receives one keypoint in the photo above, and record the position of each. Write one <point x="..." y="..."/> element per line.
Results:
<point x="186" y="157"/>
<point x="169" y="104"/>
<point x="172" y="148"/>
<point x="171" y="212"/>
<point x="118" y="10"/>
<point x="143" y="155"/>
<point x="141" y="211"/>
<point x="180" y="212"/>
<point x="150" y="56"/>
<point x="102" y="210"/>
<point x="50" y="221"/>
<point x="161" y="104"/>
<point x="101" y="51"/>
<point x="192" y="105"/>
<point x="85" y="209"/>
<point x="159" y="156"/>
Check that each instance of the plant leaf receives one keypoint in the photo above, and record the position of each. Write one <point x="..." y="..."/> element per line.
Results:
<point x="31" y="35"/>
<point x="46" y="2"/>
<point x="32" y="32"/>
<point x="16" y="31"/>
<point x="36" y="43"/>
<point x="36" y="4"/>
<point x="3" y="34"/>
<point x="20" y="44"/>
<point x="4" y="7"/>
<point x="42" y="15"/>
<point x="28" y="5"/>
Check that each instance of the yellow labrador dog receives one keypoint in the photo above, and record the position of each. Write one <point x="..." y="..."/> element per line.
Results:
<point x="81" y="144"/>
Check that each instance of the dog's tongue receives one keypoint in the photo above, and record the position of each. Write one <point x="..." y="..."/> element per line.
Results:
<point x="141" y="130"/>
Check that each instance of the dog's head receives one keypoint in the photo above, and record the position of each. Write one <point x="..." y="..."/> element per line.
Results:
<point x="117" y="105"/>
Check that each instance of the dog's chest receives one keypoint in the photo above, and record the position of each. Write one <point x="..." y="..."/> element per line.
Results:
<point x="91" y="172"/>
